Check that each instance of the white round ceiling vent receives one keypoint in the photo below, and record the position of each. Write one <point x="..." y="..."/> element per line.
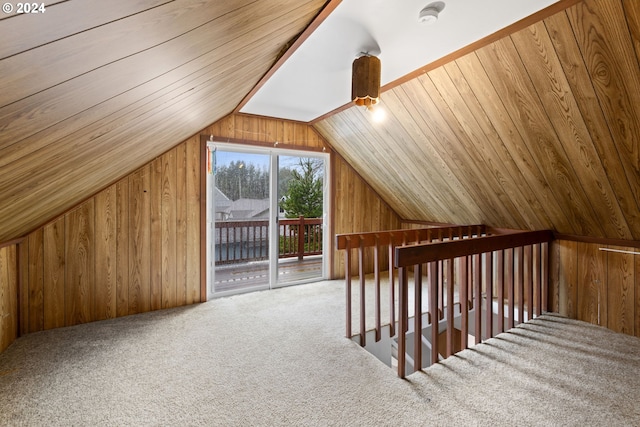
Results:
<point x="429" y="14"/>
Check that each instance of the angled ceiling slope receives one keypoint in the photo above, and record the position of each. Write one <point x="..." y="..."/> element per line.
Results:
<point x="537" y="130"/>
<point x="91" y="90"/>
<point x="316" y="78"/>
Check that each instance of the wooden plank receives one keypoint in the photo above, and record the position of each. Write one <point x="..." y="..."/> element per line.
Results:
<point x="105" y="300"/>
<point x="23" y="284"/>
<point x="618" y="87"/>
<point x="80" y="264"/>
<point x="156" y="233"/>
<point x="510" y="77"/>
<point x="169" y="244"/>
<point x="83" y="53"/>
<point x="592" y="295"/>
<point x="54" y="274"/>
<point x="77" y="17"/>
<point x="122" y="248"/>
<point x="577" y="72"/>
<point x="620" y="287"/>
<point x="513" y="142"/>
<point x="8" y="296"/>
<point x="181" y="224"/>
<point x="139" y="241"/>
<point x="35" y="298"/>
<point x="535" y="47"/>
<point x="151" y="125"/>
<point x="195" y="265"/>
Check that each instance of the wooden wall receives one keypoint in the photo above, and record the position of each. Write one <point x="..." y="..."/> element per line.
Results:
<point x="354" y="205"/>
<point x="596" y="286"/>
<point x="133" y="247"/>
<point x="8" y="295"/>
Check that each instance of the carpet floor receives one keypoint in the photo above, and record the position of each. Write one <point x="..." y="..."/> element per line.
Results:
<point x="279" y="358"/>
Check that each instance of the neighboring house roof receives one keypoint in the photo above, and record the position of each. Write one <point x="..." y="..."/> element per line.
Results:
<point x="249" y="208"/>
<point x="221" y="200"/>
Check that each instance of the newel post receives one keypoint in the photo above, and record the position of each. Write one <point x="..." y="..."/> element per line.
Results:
<point x="301" y="237"/>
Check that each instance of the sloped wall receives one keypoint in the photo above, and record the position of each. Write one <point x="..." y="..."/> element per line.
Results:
<point x="133" y="247"/>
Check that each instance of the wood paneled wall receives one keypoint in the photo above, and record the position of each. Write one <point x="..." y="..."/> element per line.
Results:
<point x="132" y="248"/>
<point x="596" y="286"/>
<point x="354" y="205"/>
<point x="8" y="295"/>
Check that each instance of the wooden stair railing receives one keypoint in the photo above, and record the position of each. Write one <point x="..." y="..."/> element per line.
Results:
<point x="521" y="266"/>
<point x="387" y="241"/>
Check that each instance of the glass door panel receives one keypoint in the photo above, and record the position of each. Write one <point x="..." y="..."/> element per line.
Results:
<point x="300" y="219"/>
<point x="241" y="213"/>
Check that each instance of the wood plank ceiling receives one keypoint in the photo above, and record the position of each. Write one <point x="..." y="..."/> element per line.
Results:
<point x="91" y="90"/>
<point x="540" y="129"/>
<point x="537" y="130"/>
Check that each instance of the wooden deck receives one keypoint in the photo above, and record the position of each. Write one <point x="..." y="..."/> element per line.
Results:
<point x="255" y="275"/>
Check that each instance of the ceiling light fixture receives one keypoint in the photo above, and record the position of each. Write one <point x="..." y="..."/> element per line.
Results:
<point x="365" y="80"/>
<point x="429" y="14"/>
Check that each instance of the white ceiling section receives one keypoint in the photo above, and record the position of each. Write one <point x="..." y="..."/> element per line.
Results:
<point x="316" y="79"/>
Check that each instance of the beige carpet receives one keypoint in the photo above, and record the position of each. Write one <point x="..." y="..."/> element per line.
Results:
<point x="279" y="358"/>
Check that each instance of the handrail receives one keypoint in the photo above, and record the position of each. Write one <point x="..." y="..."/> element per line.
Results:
<point x="424" y="253"/>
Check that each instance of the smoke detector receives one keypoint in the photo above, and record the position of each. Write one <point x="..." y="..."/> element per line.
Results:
<point x="429" y="14"/>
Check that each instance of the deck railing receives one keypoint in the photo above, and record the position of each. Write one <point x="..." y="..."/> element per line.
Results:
<point x="300" y="237"/>
<point x="243" y="241"/>
<point x="487" y="278"/>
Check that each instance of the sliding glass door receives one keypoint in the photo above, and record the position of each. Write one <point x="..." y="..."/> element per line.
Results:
<point x="266" y="216"/>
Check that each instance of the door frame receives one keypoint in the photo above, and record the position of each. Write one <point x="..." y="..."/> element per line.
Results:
<point x="209" y="223"/>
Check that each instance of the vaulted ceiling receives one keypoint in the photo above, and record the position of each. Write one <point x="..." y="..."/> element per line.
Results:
<point x="539" y="129"/>
<point x="91" y="90"/>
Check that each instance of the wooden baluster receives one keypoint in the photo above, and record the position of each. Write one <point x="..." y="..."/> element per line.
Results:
<point x="520" y="279"/>
<point x="417" y="318"/>
<point x="477" y="285"/>
<point x="537" y="284"/>
<point x="300" y="237"/>
<point x="464" y="300"/>
<point x="392" y="293"/>
<point x="433" y="308"/>
<point x="450" y="307"/>
<point x="404" y="321"/>
<point x="347" y="274"/>
<point x="528" y="265"/>
<point x="441" y="290"/>
<point x="500" y="289"/>
<point x="488" y="278"/>
<point x="510" y="288"/>
<point x="544" y="273"/>
<point x="363" y="308"/>
<point x="376" y="278"/>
